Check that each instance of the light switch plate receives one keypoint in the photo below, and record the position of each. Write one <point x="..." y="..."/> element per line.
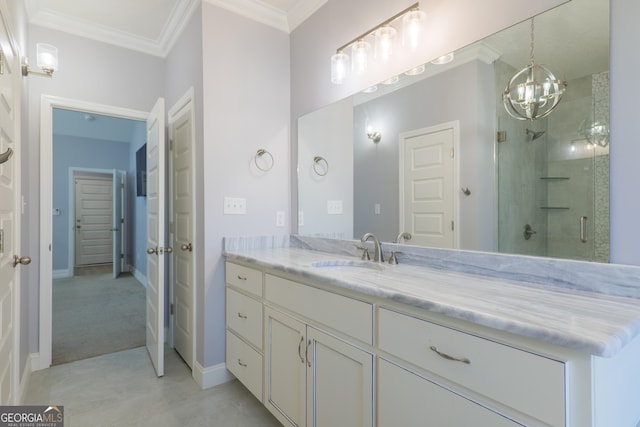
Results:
<point x="280" y="219"/>
<point x="300" y="218"/>
<point x="235" y="206"/>
<point x="334" y="207"/>
<point x="376" y="208"/>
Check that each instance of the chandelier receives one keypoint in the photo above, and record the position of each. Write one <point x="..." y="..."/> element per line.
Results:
<point x="533" y="92"/>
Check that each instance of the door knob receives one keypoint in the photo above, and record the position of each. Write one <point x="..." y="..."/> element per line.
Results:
<point x="188" y="247"/>
<point x="168" y="250"/>
<point x="23" y="260"/>
<point x="152" y="251"/>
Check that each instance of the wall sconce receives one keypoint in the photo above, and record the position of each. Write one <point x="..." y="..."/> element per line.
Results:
<point x="373" y="135"/>
<point x="384" y="38"/>
<point x="47" y="61"/>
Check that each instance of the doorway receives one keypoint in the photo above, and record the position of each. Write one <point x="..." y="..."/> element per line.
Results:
<point x="90" y="114"/>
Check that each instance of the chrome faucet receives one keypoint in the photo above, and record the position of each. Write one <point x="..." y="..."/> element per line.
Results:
<point x="403" y="235"/>
<point x="378" y="256"/>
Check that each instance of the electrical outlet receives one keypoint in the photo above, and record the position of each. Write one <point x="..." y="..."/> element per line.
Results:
<point x="334" y="207"/>
<point x="300" y="218"/>
<point x="235" y="206"/>
<point x="280" y="219"/>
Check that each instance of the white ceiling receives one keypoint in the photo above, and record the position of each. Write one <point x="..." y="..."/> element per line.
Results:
<point x="151" y="26"/>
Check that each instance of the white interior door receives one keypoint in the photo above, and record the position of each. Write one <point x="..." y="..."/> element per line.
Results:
<point x="9" y="221"/>
<point x="427" y="186"/>
<point x="156" y="236"/>
<point x="182" y="319"/>
<point x="94" y="219"/>
<point x="118" y="228"/>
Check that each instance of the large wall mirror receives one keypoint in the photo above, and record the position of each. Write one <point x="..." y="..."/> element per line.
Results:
<point x="453" y="168"/>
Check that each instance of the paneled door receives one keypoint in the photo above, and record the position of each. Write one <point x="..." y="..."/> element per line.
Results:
<point x="156" y="236"/>
<point x="9" y="219"/>
<point x="94" y="219"/>
<point x="427" y="173"/>
<point x="181" y="159"/>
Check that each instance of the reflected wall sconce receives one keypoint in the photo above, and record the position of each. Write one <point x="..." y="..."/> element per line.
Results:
<point x="384" y="38"/>
<point x="373" y="135"/>
<point x="47" y="61"/>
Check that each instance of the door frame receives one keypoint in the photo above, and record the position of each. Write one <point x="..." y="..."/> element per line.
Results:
<point x="47" y="104"/>
<point x="455" y="127"/>
<point x="184" y="104"/>
<point x="72" y="201"/>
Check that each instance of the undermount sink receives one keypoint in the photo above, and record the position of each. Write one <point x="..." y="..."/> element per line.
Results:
<point x="347" y="265"/>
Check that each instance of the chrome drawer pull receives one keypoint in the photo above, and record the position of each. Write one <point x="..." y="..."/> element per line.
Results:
<point x="241" y="277"/>
<point x="242" y="316"/>
<point x="307" y="354"/>
<point x="300" y="350"/>
<point x="241" y="363"/>
<point x="446" y="356"/>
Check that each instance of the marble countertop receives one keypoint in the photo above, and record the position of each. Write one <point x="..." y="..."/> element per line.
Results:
<point x="595" y="323"/>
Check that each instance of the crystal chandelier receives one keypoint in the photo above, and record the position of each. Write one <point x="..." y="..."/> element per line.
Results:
<point x="533" y="92"/>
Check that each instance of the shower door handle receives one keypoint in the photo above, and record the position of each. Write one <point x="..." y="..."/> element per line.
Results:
<point x="583" y="229"/>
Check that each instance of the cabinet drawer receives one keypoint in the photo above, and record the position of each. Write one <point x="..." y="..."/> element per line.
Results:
<point x="244" y="277"/>
<point x="347" y="315"/>
<point x="406" y="399"/>
<point x="245" y="363"/>
<point x="244" y="316"/>
<point x="524" y="381"/>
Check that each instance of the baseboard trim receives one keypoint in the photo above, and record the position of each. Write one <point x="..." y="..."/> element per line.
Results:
<point x="140" y="277"/>
<point x="61" y="274"/>
<point x="33" y="364"/>
<point x="211" y="376"/>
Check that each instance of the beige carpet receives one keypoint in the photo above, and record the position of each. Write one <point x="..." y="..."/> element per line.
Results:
<point x="94" y="314"/>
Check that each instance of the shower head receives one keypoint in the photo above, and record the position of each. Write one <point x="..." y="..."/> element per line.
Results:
<point x="534" y="135"/>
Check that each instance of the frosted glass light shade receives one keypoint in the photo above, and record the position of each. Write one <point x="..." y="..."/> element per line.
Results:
<point x="385" y="39"/>
<point x="360" y="56"/>
<point x="413" y="27"/>
<point x="47" y="57"/>
<point x="339" y="68"/>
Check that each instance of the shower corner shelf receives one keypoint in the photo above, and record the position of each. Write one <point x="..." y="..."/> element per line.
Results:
<point x="554" y="208"/>
<point x="555" y="177"/>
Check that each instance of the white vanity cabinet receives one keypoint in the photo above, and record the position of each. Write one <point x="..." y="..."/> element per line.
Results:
<point x="312" y="377"/>
<point x="244" y="326"/>
<point x="479" y="373"/>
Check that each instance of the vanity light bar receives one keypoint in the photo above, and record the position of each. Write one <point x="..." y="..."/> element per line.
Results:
<point x="385" y="35"/>
<point x="415" y="6"/>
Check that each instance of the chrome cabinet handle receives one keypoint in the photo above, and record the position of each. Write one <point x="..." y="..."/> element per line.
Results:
<point x="241" y="277"/>
<point x="22" y="260"/>
<point x="306" y="354"/>
<point x="152" y="251"/>
<point x="6" y="155"/>
<point x="446" y="356"/>
<point x="188" y="247"/>
<point x="241" y="363"/>
<point x="583" y="229"/>
<point x="300" y="350"/>
<point x="168" y="250"/>
<point x="242" y="316"/>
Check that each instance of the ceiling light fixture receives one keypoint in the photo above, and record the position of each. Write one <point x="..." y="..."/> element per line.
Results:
<point x="533" y="92"/>
<point x="384" y="37"/>
<point x="47" y="61"/>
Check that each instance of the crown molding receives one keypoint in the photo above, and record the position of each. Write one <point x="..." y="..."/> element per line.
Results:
<point x="91" y="30"/>
<point x="276" y="18"/>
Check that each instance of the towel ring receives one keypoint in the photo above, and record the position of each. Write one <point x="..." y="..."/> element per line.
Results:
<point x="318" y="160"/>
<point x="6" y="155"/>
<point x="261" y="152"/>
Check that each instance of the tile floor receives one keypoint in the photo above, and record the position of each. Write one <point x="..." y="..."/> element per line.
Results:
<point x="121" y="389"/>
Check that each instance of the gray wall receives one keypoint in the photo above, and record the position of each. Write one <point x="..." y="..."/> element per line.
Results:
<point x="246" y="105"/>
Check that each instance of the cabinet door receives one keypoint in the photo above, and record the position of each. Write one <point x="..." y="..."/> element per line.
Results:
<point x="406" y="399"/>
<point x="339" y="382"/>
<point x="285" y="368"/>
